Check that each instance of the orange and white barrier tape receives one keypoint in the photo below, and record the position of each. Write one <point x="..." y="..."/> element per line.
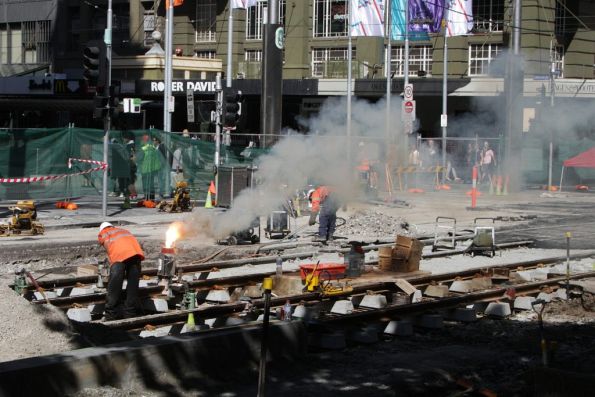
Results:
<point x="102" y="166"/>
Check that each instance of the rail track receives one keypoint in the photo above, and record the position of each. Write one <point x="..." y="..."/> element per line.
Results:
<point x="499" y="280"/>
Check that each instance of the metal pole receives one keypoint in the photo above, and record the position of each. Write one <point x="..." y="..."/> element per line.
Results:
<point x="107" y="38"/>
<point x="168" y="108"/>
<point x="406" y="55"/>
<point x="229" y="47"/>
<point x="551" y="154"/>
<point x="388" y="75"/>
<point x="568" y="236"/>
<point x="444" y="96"/>
<point x="349" y="52"/>
<point x="219" y="105"/>
<point x="267" y="285"/>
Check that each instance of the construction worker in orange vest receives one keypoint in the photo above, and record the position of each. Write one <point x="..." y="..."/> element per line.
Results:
<point x="125" y="256"/>
<point x="324" y="201"/>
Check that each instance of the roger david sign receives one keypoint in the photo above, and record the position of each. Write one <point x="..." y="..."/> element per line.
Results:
<point x="184" y="86"/>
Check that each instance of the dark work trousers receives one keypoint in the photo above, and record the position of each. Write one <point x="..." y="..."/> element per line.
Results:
<point x="327" y="221"/>
<point x="130" y="269"/>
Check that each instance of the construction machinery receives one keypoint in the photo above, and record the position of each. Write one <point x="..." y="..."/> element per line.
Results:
<point x="23" y="220"/>
<point x="323" y="279"/>
<point x="180" y="201"/>
<point x="484" y="238"/>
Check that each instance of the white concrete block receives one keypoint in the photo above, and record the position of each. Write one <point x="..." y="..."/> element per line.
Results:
<point x="300" y="311"/>
<point x="157" y="332"/>
<point x="373" y="301"/>
<point x="540" y="274"/>
<point x="437" y="291"/>
<point x="417" y="296"/>
<point x="462" y="286"/>
<point x="431" y="321"/>
<point x="498" y="309"/>
<point x="156" y="305"/>
<point x="545" y="296"/>
<point x="232" y="321"/>
<point x="342" y="307"/>
<point x="143" y="283"/>
<point x="188" y="277"/>
<point x="49" y="294"/>
<point x="523" y="303"/>
<point x="399" y="328"/>
<point x="81" y="315"/>
<point x="76" y="291"/>
<point x="561" y="294"/>
<point x="523" y="275"/>
<point x="464" y="314"/>
<point x="218" y="295"/>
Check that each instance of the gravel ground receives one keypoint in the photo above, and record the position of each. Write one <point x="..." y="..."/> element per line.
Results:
<point x="489" y="353"/>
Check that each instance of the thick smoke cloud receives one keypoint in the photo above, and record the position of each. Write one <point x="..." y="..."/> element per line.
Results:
<point x="297" y="160"/>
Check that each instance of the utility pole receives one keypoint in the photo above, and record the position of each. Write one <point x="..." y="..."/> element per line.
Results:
<point x="168" y="100"/>
<point x="218" y="111"/>
<point x="552" y="97"/>
<point x="272" y="76"/>
<point x="107" y="38"/>
<point x="444" y="118"/>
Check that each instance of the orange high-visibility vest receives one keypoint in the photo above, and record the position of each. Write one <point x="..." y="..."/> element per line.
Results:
<point x="120" y="244"/>
<point x="364" y="166"/>
<point x="318" y="197"/>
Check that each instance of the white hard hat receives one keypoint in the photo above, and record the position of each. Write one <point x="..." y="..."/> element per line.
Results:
<point x="104" y="225"/>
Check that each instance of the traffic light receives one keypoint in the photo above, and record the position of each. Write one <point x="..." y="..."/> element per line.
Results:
<point x="95" y="64"/>
<point x="100" y="103"/>
<point x="114" y="101"/>
<point x="231" y="108"/>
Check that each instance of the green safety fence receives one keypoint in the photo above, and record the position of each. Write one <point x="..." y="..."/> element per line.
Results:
<point x="136" y="164"/>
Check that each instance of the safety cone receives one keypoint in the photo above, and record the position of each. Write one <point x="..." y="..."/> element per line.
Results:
<point x="209" y="202"/>
<point x="190" y="322"/>
<point x="213" y="192"/>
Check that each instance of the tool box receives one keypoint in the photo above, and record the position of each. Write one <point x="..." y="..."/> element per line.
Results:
<point x="324" y="271"/>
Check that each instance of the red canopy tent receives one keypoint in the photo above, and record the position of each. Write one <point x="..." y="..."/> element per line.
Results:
<point x="585" y="159"/>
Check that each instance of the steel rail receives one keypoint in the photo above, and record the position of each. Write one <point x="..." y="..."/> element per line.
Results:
<point x="384" y="286"/>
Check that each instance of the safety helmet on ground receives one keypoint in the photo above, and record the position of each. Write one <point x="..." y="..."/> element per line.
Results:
<point x="104" y="225"/>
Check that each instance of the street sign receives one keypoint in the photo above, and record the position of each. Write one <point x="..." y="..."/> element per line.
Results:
<point x="408" y="110"/>
<point x="131" y="105"/>
<point x="408" y="92"/>
<point x="190" y="105"/>
<point x="443" y="120"/>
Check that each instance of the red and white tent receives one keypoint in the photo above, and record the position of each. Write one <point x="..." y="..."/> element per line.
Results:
<point x="585" y="159"/>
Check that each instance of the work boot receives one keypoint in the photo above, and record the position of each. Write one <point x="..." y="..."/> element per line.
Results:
<point x="330" y="239"/>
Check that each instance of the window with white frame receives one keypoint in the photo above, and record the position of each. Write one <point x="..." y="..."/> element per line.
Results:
<point x="256" y="15"/>
<point x="206" y="20"/>
<point x="25" y="42"/>
<point x="488" y="15"/>
<point x="330" y="62"/>
<point x="420" y="59"/>
<point x="557" y="56"/>
<point x="205" y="54"/>
<point x="253" y="56"/>
<point x="480" y="57"/>
<point x="331" y="18"/>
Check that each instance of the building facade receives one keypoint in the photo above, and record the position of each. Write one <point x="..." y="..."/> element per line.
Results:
<point x="41" y="43"/>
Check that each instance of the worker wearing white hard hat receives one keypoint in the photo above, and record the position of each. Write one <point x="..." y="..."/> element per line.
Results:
<point x="125" y="256"/>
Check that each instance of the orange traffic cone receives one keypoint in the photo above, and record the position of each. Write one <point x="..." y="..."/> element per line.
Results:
<point x="211" y="202"/>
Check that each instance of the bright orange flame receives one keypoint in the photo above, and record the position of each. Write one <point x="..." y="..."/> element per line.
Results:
<point x="174" y="232"/>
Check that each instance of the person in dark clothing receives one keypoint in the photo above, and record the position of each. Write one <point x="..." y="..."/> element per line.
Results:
<point x="325" y="203"/>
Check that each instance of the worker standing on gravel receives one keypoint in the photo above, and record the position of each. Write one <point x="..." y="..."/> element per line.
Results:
<point x="125" y="255"/>
<point x="324" y="202"/>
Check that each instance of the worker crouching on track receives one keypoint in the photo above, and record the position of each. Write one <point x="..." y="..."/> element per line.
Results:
<point x="125" y="255"/>
<point x="324" y="201"/>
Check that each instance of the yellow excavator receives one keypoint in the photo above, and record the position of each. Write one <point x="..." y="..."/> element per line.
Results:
<point x="23" y="220"/>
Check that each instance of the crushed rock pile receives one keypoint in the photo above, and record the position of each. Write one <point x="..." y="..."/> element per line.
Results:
<point x="372" y="223"/>
<point x="28" y="330"/>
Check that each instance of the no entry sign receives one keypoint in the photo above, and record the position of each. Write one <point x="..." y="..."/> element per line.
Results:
<point x="409" y="106"/>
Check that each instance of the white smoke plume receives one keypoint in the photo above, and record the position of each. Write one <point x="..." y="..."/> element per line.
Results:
<point x="297" y="160"/>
